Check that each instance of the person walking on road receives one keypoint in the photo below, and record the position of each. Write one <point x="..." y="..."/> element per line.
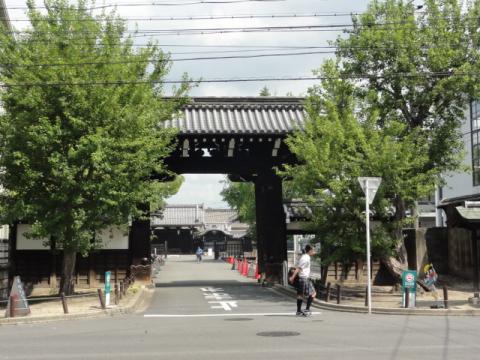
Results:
<point x="304" y="285"/>
<point x="199" y="254"/>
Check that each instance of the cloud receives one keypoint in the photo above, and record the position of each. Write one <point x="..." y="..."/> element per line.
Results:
<point x="200" y="189"/>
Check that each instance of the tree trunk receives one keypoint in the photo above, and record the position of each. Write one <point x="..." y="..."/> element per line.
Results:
<point x="394" y="265"/>
<point x="398" y="262"/>
<point x="68" y="268"/>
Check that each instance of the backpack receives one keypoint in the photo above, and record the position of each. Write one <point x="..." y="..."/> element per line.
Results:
<point x="290" y="273"/>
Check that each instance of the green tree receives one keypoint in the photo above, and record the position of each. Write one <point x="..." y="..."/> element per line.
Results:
<point x="241" y="197"/>
<point x="265" y="91"/>
<point x="418" y="68"/>
<point x="341" y="142"/>
<point x="82" y="131"/>
<point x="412" y="73"/>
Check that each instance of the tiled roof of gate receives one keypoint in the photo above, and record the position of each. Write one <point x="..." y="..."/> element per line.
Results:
<point x="249" y="115"/>
<point x="178" y="215"/>
<point x="216" y="216"/>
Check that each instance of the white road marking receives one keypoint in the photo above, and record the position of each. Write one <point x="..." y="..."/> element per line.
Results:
<point x="225" y="305"/>
<point x="217" y="296"/>
<point x="211" y="289"/>
<point x="220" y="315"/>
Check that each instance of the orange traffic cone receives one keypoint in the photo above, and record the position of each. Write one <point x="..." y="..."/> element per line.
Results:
<point x="246" y="269"/>
<point x="257" y="275"/>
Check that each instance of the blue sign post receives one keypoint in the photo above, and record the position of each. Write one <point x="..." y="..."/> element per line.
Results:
<point x="107" y="287"/>
<point x="409" y="286"/>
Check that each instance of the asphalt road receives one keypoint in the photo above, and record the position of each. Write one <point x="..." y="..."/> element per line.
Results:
<point x="206" y="311"/>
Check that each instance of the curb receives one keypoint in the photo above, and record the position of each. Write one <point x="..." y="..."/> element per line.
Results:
<point x="384" y="311"/>
<point x="144" y="295"/>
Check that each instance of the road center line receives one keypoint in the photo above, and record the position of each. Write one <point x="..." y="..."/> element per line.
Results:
<point x="220" y="315"/>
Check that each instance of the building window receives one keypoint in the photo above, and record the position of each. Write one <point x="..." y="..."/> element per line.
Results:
<point x="475" y="126"/>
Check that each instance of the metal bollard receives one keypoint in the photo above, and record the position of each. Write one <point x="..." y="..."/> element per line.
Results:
<point x="445" y="297"/>
<point x="116" y="294"/>
<point x="339" y="293"/>
<point x="102" y="300"/>
<point x="327" y="293"/>
<point x="64" y="303"/>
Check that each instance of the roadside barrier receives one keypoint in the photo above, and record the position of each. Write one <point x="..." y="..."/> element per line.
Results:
<point x="246" y="268"/>
<point x="120" y="290"/>
<point x="341" y="293"/>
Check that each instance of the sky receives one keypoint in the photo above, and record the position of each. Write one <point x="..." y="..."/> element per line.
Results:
<point x="206" y="188"/>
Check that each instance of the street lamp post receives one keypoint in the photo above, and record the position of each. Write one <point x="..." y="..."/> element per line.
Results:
<point x="369" y="186"/>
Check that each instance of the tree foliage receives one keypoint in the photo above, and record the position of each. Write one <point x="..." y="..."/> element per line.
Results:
<point x="417" y="66"/>
<point x="76" y="155"/>
<point x="265" y="91"/>
<point x="241" y="197"/>
<point x="390" y="105"/>
<point x="341" y="141"/>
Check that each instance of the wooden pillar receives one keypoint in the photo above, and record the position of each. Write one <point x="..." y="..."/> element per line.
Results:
<point x="12" y="254"/>
<point x="140" y="238"/>
<point x="53" y="271"/>
<point x="260" y="224"/>
<point x="271" y="225"/>
<point x="475" y="238"/>
<point x="92" y="282"/>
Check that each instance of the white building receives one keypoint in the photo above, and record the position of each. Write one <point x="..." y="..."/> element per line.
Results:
<point x="462" y="184"/>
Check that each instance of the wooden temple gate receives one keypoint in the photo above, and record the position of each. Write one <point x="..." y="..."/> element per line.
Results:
<point x="244" y="138"/>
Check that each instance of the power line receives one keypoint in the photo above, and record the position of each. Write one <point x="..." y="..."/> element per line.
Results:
<point x="154" y="3"/>
<point x="153" y="61"/>
<point x="211" y="17"/>
<point x="140" y="82"/>
<point x="440" y="74"/>
<point x="336" y="27"/>
<point x="211" y="31"/>
<point x="328" y="50"/>
<point x="199" y="30"/>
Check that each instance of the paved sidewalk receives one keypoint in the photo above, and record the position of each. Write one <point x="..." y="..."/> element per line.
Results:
<point x="384" y="301"/>
<point x="81" y="307"/>
<point x="388" y="299"/>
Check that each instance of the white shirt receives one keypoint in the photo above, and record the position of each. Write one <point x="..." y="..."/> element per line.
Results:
<point x="304" y="265"/>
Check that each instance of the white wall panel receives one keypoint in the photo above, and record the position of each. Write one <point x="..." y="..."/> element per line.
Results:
<point x="24" y="243"/>
<point x="113" y="238"/>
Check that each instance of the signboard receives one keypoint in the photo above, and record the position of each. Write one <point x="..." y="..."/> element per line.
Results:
<point x="21" y="303"/>
<point x="107" y="287"/>
<point x="373" y="184"/>
<point x="409" y="281"/>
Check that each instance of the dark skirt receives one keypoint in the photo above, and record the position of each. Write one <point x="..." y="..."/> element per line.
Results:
<point x="305" y="287"/>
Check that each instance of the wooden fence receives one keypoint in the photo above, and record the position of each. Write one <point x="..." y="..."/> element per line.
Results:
<point x="3" y="269"/>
